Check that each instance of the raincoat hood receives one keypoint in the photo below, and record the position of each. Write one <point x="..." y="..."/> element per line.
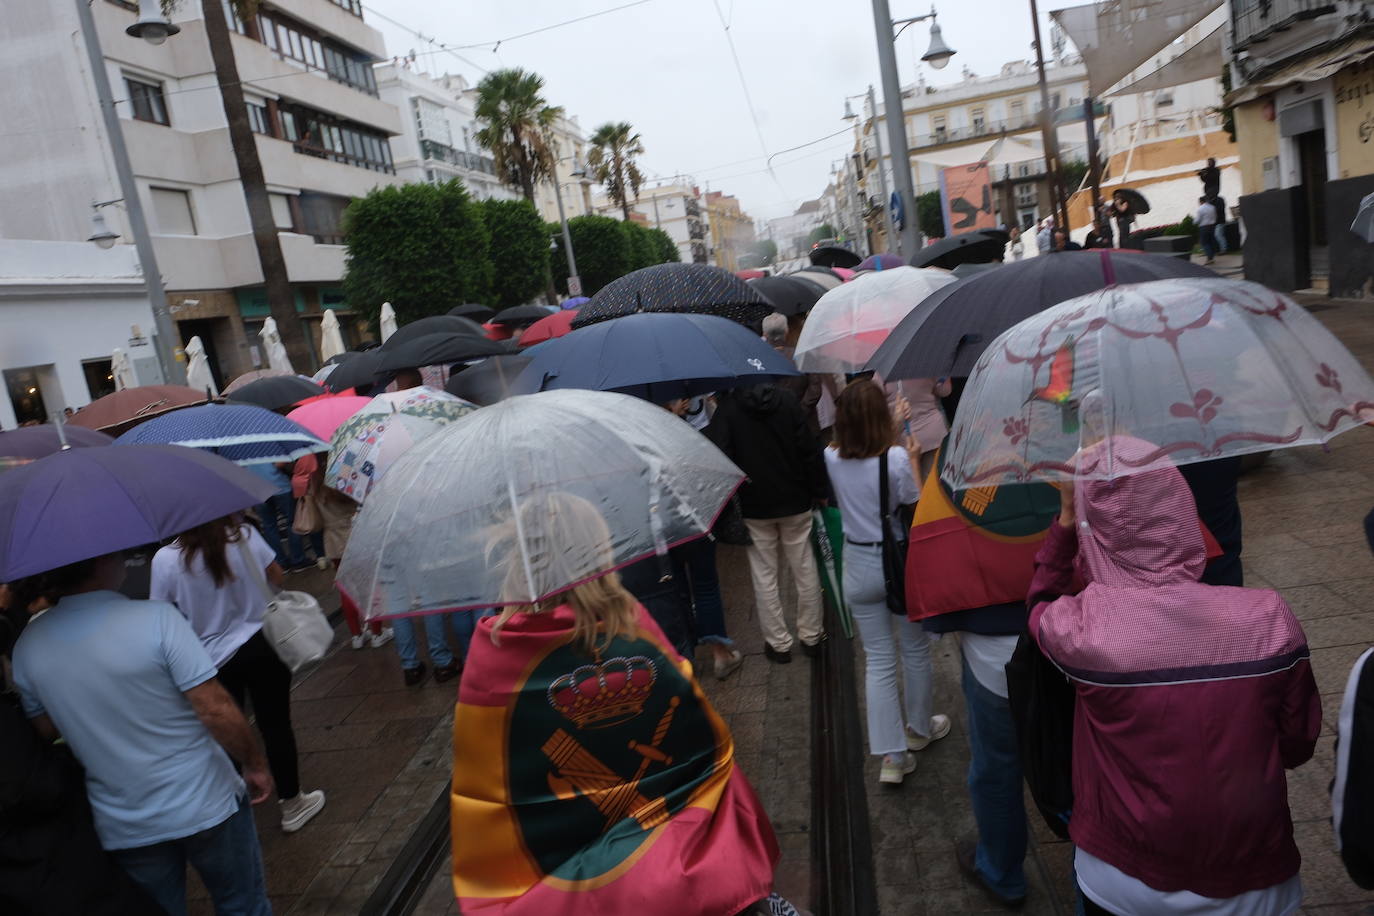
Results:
<point x="1140" y="530"/>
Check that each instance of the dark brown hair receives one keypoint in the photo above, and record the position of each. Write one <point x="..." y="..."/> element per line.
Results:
<point x="50" y="586"/>
<point x="212" y="540"/>
<point x="863" y="423"/>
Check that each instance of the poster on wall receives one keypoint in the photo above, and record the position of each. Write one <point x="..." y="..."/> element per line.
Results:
<point x="966" y="198"/>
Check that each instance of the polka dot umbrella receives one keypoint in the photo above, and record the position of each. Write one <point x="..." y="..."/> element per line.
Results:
<point x="691" y="288"/>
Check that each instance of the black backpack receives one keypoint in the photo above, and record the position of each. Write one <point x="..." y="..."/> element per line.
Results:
<point x="1042" y="706"/>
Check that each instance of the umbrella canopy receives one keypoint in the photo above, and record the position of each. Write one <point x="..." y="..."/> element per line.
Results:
<point x="1200" y="368"/>
<point x="823" y="277"/>
<point x="1134" y="199"/>
<point x="242" y="433"/>
<point x="434" y="324"/>
<point x="491" y="380"/>
<point x="436" y="350"/>
<point x="881" y="262"/>
<point x="947" y="333"/>
<point x="198" y="375"/>
<point x="658" y="357"/>
<point x="360" y="370"/>
<point x="790" y="295"/>
<point x="676" y="287"/>
<point x="977" y="247"/>
<point x="250" y="377"/>
<point x="491" y="515"/>
<point x="834" y="256"/>
<point x="548" y="327"/>
<point x="331" y="336"/>
<point x="574" y="302"/>
<point x="387" y="321"/>
<point x="114" y="413"/>
<point x="1363" y="226"/>
<point x="849" y="323"/>
<point x="365" y="445"/>
<point x="324" y="416"/>
<point x="29" y="443"/>
<point x="87" y="502"/>
<point x="473" y="311"/>
<point x="122" y="370"/>
<point x="966" y="270"/>
<point x="277" y="392"/>
<point x="276" y="351"/>
<point x="520" y="315"/>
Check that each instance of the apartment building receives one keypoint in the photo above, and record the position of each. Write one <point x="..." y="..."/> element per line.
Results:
<point x="322" y="131"/>
<point x="732" y="230"/>
<point x="575" y="186"/>
<point x="678" y="209"/>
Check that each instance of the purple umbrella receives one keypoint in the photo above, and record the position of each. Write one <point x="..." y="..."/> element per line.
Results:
<point x="880" y="262"/>
<point x="84" y="503"/>
<point x="40" y="441"/>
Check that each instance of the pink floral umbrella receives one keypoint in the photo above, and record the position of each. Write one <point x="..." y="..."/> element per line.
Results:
<point x="1200" y="368"/>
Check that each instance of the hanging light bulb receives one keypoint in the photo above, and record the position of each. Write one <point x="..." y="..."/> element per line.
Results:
<point x="939" y="53"/>
<point x="100" y="232"/>
<point x="152" y="26"/>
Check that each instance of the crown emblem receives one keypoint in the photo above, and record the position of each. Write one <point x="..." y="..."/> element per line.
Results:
<point x="605" y="694"/>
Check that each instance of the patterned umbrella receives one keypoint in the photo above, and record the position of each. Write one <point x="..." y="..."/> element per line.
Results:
<point x="243" y="433"/>
<point x="676" y="288"/>
<point x="364" y="446"/>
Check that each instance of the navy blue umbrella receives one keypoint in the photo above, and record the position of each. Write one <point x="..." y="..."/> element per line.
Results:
<point x="243" y="433"/>
<point x="695" y="288"/>
<point x="658" y="357"/>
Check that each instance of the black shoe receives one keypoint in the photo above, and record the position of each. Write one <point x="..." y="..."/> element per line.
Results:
<point x="776" y="657"/>
<point x="812" y="649"/>
<point x="448" y="672"/>
<point x="965" y="853"/>
<point x="414" y="675"/>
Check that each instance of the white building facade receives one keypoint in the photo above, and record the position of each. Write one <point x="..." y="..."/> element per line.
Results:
<point x="678" y="209"/>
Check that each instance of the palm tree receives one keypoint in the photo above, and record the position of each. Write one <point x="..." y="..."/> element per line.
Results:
<point x="614" y="147"/>
<point x="517" y="124"/>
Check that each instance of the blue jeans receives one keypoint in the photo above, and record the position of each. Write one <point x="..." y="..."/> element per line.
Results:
<point x="994" y="786"/>
<point x="464" y="624"/>
<point x="1207" y="236"/>
<point x="281" y="509"/>
<point x="227" y="858"/>
<point x="700" y="559"/>
<point x="1221" y="238"/>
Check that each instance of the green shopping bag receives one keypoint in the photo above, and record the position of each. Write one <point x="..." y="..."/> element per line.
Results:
<point x="827" y="540"/>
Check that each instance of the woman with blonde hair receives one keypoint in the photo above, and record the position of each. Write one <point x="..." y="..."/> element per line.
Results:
<point x="862" y="457"/>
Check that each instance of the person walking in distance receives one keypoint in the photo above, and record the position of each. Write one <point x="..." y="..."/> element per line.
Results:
<point x="209" y="574"/>
<point x="1206" y="219"/>
<point x="764" y="430"/>
<point x="1211" y="179"/>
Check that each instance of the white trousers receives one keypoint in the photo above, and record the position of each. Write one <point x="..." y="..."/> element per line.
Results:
<point x="792" y="534"/>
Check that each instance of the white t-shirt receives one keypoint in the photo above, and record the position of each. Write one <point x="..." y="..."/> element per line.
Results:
<point x="987" y="658"/>
<point x="224" y="618"/>
<point x="1206" y="215"/>
<point x="1110" y="887"/>
<point x="855" y="481"/>
<point x="698" y="412"/>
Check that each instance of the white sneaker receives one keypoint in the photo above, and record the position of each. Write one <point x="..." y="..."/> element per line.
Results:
<point x="358" y="641"/>
<point x="297" y="812"/>
<point x="377" y="640"/>
<point x="727" y="665"/>
<point x="322" y="563"/>
<point x="939" y="727"/>
<point x="895" y="768"/>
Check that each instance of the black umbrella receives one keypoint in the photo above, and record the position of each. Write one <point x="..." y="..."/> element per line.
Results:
<point x="357" y="369"/>
<point x="1134" y="199"/>
<point x="676" y="287"/>
<point x="835" y="256"/>
<point x="790" y="295"/>
<point x="436" y="350"/>
<point x="979" y="246"/>
<point x="823" y="277"/>
<point x="277" y="391"/>
<point x="964" y="271"/>
<point x="520" y="315"/>
<point x="434" y="324"/>
<point x="949" y="330"/>
<point x="488" y="381"/>
<point x="478" y="313"/>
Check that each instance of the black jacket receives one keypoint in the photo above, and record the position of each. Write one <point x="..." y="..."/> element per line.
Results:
<point x="763" y="429"/>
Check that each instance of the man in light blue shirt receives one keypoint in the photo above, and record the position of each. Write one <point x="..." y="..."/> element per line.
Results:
<point x="130" y="687"/>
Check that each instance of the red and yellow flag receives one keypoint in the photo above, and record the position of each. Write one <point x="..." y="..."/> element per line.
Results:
<point x="597" y="784"/>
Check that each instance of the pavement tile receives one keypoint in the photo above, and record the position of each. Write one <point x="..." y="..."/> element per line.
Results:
<point x="1315" y="601"/>
<point x="1311" y="565"/>
<point x="1331" y="667"/>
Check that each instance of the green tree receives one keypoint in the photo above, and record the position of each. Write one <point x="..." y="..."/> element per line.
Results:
<point x="1073" y="172"/>
<point x="665" y="249"/>
<point x="614" y="148"/>
<point x="602" y="249"/>
<point x="642" y="248"/>
<point x="516" y="125"/>
<point x="823" y="231"/>
<point x="422" y="247"/>
<point x="519" y="250"/>
<point x="930" y="216"/>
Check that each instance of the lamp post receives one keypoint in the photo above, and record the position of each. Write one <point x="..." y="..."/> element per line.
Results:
<point x="152" y="27"/>
<point x="894" y="113"/>
<point x="574" y="281"/>
<point x="1050" y="137"/>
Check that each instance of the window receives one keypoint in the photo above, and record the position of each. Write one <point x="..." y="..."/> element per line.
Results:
<point x="937" y="124"/>
<point x="172" y="211"/>
<point x="432" y="122"/>
<point x="146" y="100"/>
<point x="1026" y="195"/>
<point x="281" y="212"/>
<point x="353" y="6"/>
<point x="322" y="215"/>
<point x="980" y="122"/>
<point x="327" y="137"/>
<point x="259" y="119"/>
<point x="302" y="45"/>
<point x="1018" y="113"/>
<point x="1164" y="98"/>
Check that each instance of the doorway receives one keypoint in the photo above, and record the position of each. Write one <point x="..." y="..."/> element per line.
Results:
<point x="1312" y="174"/>
<point x="204" y="328"/>
<point x="26" y="396"/>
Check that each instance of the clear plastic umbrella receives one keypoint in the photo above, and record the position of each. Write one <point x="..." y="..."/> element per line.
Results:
<point x="331" y="336"/>
<point x="497" y="508"/>
<point x="1200" y="368"/>
<point x="276" y="351"/>
<point x="848" y="324"/>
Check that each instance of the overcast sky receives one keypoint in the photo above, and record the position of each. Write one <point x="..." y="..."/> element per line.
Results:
<point x="665" y="66"/>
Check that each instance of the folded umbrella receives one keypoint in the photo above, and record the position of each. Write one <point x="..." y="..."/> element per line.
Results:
<point x="434" y="324"/>
<point x="323" y="417"/>
<point x="978" y="247"/>
<point x="331" y="336"/>
<point x="834" y="256"/>
<point x="115" y="413"/>
<point x="436" y="350"/>
<point x="946" y="333"/>
<point x="520" y="315"/>
<point x="548" y="328"/>
<point x="692" y="288"/>
<point x="476" y="514"/>
<point x="471" y="310"/>
<point x="87" y="502"/>
<point x="658" y="357"/>
<point x="277" y="392"/>
<point x="790" y="295"/>
<point x="242" y="433"/>
<point x="1201" y="369"/>
<point x="491" y="380"/>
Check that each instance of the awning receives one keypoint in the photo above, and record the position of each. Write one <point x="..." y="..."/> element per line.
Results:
<point x="1116" y="36"/>
<point x="1202" y="61"/>
<point x="1317" y="67"/>
<point x="1009" y="149"/>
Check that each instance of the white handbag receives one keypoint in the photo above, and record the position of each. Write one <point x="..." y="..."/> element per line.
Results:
<point x="294" y="623"/>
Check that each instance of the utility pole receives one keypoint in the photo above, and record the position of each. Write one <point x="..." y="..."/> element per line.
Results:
<point x="909" y="240"/>
<point x="1094" y="167"/>
<point x="169" y="352"/>
<point x="1050" y="137"/>
<point x="574" y="281"/>
<point x="882" y="176"/>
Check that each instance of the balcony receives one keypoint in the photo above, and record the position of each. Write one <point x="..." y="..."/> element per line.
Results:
<point x="693" y="208"/>
<point x="990" y="129"/>
<point x="1253" y="21"/>
<point x="695" y="229"/>
<point x="472" y="162"/>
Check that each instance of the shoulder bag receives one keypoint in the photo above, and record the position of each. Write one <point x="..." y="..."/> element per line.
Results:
<point x="306" y="519"/>
<point x="294" y="623"/>
<point x="894" y="547"/>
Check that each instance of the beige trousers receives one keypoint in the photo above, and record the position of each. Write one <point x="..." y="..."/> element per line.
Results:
<point x="791" y="534"/>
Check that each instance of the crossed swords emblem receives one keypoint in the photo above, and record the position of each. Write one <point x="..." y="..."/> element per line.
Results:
<point x="578" y="772"/>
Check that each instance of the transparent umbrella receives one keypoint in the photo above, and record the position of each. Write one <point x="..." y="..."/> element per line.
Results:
<point x="1200" y="368"/>
<point x="491" y="510"/>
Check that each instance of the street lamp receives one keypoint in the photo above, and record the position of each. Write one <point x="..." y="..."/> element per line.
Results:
<point x="578" y="171"/>
<point x="101" y="233"/>
<point x="152" y="26"/>
<point x="937" y="56"/>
